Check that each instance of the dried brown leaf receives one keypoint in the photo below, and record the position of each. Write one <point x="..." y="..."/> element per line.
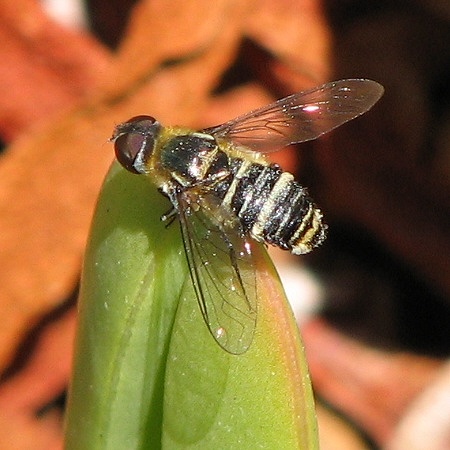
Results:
<point x="296" y="33"/>
<point x="44" y="67"/>
<point x="372" y="387"/>
<point x="36" y="386"/>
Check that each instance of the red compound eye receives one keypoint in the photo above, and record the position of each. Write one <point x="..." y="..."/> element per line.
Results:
<point x="134" y="141"/>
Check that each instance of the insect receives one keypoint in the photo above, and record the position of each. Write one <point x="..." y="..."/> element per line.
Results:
<point x="226" y="195"/>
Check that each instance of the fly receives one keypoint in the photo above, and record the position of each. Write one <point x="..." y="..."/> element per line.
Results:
<point x="226" y="194"/>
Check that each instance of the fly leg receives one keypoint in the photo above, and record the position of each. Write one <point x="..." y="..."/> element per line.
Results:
<point x="171" y="192"/>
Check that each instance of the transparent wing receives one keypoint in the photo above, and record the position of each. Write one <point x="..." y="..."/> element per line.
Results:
<point x="223" y="274"/>
<point x="301" y="117"/>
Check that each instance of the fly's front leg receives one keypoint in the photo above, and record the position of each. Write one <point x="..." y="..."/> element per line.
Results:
<point x="171" y="191"/>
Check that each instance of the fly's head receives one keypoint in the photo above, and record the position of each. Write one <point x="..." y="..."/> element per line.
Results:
<point x="134" y="142"/>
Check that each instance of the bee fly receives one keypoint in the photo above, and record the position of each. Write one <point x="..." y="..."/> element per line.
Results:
<point x="226" y="195"/>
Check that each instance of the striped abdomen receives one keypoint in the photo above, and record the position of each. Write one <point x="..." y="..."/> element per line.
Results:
<point x="271" y="206"/>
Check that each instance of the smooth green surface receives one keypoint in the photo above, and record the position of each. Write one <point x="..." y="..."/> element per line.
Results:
<point x="133" y="271"/>
<point x="148" y="374"/>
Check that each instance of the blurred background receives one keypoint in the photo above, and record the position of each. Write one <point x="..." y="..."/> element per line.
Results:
<point x="373" y="301"/>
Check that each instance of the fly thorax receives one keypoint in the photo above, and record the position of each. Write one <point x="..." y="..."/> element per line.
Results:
<point x="194" y="159"/>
